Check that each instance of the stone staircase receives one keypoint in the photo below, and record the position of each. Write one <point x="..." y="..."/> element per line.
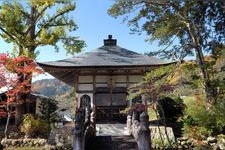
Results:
<point x="112" y="143"/>
<point x="111" y="137"/>
<point x="117" y="129"/>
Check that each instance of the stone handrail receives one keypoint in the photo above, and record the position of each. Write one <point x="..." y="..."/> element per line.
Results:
<point x="138" y="126"/>
<point x="84" y="128"/>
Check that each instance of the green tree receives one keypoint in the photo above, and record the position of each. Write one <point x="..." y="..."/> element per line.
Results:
<point x="182" y="28"/>
<point x="30" y="24"/>
<point x="39" y="23"/>
<point x="48" y="109"/>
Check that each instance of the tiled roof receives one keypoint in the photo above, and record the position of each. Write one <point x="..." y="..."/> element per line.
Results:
<point x="107" y="56"/>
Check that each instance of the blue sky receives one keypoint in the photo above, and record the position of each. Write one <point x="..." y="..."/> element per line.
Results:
<point x="94" y="25"/>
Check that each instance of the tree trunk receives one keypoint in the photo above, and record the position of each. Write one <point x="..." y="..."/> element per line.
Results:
<point x="21" y="100"/>
<point x="201" y="63"/>
<point x="192" y="30"/>
<point x="207" y="83"/>
<point x="9" y="111"/>
<point x="20" y="110"/>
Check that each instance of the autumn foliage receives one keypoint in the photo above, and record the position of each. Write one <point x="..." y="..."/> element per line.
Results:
<point x="15" y="77"/>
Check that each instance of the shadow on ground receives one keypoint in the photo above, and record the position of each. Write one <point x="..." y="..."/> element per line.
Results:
<point x="112" y="143"/>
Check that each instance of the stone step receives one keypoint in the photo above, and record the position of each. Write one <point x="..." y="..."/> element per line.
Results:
<point x="111" y="129"/>
<point x="111" y="143"/>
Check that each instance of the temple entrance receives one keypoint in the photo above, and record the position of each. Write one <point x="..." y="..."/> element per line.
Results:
<point x="85" y="101"/>
<point x="109" y="104"/>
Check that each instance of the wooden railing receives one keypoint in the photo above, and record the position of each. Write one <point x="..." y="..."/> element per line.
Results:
<point x="138" y="126"/>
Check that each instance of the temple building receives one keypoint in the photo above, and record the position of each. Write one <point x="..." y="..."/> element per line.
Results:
<point x="101" y="77"/>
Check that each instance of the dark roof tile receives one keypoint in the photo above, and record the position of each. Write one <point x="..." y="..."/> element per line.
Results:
<point x="107" y="56"/>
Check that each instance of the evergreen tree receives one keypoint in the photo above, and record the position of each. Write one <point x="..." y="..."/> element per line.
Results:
<point x="183" y="28"/>
<point x="48" y="109"/>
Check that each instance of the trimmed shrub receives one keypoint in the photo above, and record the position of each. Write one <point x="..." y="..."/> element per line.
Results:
<point x="34" y="126"/>
<point x="171" y="109"/>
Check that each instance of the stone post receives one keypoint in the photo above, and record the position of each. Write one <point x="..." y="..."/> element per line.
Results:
<point x="77" y="139"/>
<point x="143" y="134"/>
<point x="129" y="124"/>
<point x="78" y="135"/>
<point x="93" y="118"/>
<point x="87" y="114"/>
<point x="135" y="124"/>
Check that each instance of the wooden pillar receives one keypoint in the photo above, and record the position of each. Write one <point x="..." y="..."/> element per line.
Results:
<point x="94" y="91"/>
<point x="93" y="114"/>
<point x="128" y="84"/>
<point x="111" y="91"/>
<point x="76" y="101"/>
<point x="127" y="79"/>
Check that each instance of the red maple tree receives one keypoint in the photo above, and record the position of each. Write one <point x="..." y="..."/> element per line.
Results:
<point x="15" y="80"/>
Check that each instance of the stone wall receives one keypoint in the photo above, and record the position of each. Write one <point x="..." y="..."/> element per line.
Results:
<point x="23" y="142"/>
<point x="215" y="143"/>
<point x="59" y="138"/>
<point x="162" y="137"/>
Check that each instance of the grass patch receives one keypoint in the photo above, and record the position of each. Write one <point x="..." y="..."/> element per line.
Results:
<point x="188" y="100"/>
<point x="151" y="113"/>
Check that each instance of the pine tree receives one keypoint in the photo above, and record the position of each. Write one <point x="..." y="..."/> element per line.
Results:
<point x="182" y="28"/>
<point x="48" y="109"/>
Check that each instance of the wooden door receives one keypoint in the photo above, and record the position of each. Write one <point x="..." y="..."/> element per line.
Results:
<point x="110" y="104"/>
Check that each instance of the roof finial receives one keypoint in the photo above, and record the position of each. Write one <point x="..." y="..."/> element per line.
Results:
<point x="110" y="41"/>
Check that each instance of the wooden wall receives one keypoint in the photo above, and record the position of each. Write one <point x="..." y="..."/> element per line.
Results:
<point x="87" y="84"/>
